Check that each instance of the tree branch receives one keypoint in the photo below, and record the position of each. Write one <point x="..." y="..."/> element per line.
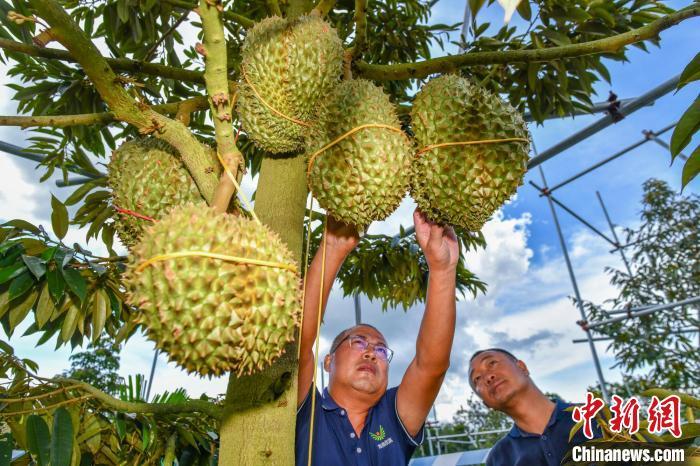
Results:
<point x="447" y="64"/>
<point x="62" y="121"/>
<point x="117" y="64"/>
<point x="324" y="7"/>
<point x="195" y="156"/>
<point x="273" y="8"/>
<point x="360" y="27"/>
<point x="220" y="100"/>
<point x="229" y="15"/>
<point x="190" y="406"/>
<point x="166" y="34"/>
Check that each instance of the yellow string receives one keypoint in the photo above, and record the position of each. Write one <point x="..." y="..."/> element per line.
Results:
<point x="212" y="255"/>
<point x="318" y="334"/>
<point x="238" y="188"/>
<point x="340" y="138"/>
<point x="270" y="107"/>
<point x="468" y="143"/>
<point x="305" y="266"/>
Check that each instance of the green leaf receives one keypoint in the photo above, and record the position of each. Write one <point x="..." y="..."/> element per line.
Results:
<point x="691" y="167"/>
<point x="691" y="72"/>
<point x="20" y="311"/>
<point x="99" y="313"/>
<point x="524" y="10"/>
<point x="61" y="438"/>
<point x="35" y="265"/>
<point x="12" y="271"/>
<point x="45" y="307"/>
<point x="686" y="127"/>
<point x="75" y="282"/>
<point x="38" y="439"/>
<point x="59" y="217"/>
<point x="20" y="285"/>
<point x="79" y="193"/>
<point x="6" y="444"/>
<point x="22" y="225"/>
<point x="70" y="322"/>
<point x="57" y="284"/>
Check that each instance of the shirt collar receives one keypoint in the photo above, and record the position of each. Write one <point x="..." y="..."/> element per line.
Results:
<point x="558" y="413"/>
<point x="328" y="402"/>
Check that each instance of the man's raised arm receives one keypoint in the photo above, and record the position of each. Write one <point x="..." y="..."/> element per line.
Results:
<point x="340" y="240"/>
<point x="423" y="378"/>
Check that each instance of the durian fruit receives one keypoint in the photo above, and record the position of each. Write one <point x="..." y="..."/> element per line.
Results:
<point x="365" y="176"/>
<point x="213" y="316"/>
<point x="464" y="185"/>
<point x="292" y="64"/>
<point x="148" y="177"/>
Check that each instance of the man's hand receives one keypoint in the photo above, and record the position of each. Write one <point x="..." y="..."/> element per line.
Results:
<point x="439" y="243"/>
<point x="340" y="237"/>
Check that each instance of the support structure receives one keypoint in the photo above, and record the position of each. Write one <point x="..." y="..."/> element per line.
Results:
<point x="574" y="284"/>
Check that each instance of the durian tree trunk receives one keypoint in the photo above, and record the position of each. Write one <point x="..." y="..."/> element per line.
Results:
<point x="259" y="425"/>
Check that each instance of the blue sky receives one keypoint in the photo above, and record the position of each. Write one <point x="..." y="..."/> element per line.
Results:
<point x="527" y="307"/>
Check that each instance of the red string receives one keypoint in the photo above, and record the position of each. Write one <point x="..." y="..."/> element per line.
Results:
<point x="133" y="214"/>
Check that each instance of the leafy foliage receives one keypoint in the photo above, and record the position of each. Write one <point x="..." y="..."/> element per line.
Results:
<point x="688" y="125"/>
<point x="71" y="428"/>
<point x="98" y="365"/>
<point x="557" y="87"/>
<point x="73" y="294"/>
<point x="665" y="268"/>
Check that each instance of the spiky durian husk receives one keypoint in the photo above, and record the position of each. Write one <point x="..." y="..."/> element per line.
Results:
<point x="292" y="63"/>
<point x="209" y="315"/>
<point x="365" y="176"/>
<point x="148" y="177"/>
<point x="465" y="185"/>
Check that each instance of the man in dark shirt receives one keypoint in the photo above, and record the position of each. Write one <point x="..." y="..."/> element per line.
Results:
<point x="357" y="421"/>
<point x="540" y="434"/>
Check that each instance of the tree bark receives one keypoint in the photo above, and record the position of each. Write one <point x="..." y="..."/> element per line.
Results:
<point x="259" y="424"/>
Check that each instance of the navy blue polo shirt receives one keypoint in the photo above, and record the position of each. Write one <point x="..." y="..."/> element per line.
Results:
<point x="383" y="441"/>
<point x="520" y="448"/>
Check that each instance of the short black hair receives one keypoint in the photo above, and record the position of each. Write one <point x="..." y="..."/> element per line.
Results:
<point x="342" y="335"/>
<point x="477" y="353"/>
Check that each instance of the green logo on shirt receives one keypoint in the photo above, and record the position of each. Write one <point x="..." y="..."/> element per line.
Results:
<point x="379" y="435"/>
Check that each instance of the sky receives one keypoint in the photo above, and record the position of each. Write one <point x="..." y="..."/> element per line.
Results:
<point x="527" y="308"/>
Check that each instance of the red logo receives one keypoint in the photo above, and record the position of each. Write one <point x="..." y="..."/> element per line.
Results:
<point x="587" y="412"/>
<point x="624" y="415"/>
<point x="665" y="414"/>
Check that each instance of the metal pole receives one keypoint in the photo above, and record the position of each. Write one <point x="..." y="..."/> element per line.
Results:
<point x="579" y="302"/>
<point x="19" y="152"/>
<point x="604" y="122"/>
<point x="465" y="26"/>
<point x="610" y="159"/>
<point x="546" y="192"/>
<point x="153" y="371"/>
<point x="584" y="340"/>
<point x="651" y="310"/>
<point x="323" y="377"/>
<point x="358" y="308"/>
<point x="597" y="107"/>
<point x="612" y="230"/>
<point x="663" y="144"/>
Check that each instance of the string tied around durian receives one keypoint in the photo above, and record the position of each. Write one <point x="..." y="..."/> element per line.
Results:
<point x="266" y="104"/>
<point x="430" y="147"/>
<point x="213" y="255"/>
<point x="349" y="133"/>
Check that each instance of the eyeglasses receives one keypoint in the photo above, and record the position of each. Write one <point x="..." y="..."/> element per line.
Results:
<point x="360" y="343"/>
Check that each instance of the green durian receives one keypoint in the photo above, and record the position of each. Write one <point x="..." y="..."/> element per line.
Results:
<point x="464" y="185"/>
<point x="365" y="176"/>
<point x="292" y="64"/>
<point x="213" y="316"/>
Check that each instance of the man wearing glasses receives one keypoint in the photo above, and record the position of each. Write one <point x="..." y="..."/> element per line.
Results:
<point x="357" y="421"/>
